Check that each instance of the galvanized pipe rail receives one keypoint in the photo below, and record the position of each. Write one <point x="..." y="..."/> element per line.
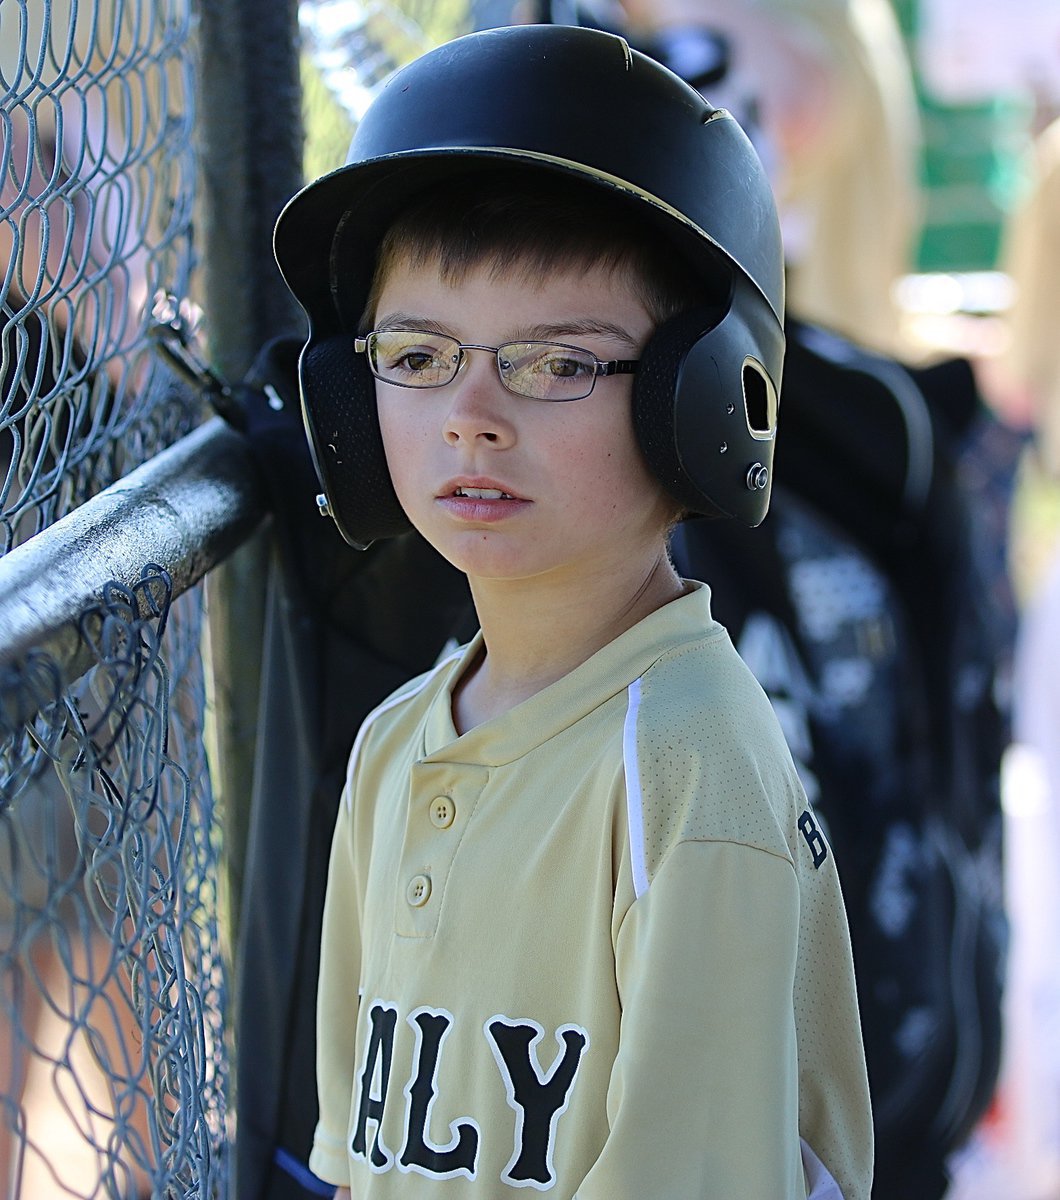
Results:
<point x="186" y="509"/>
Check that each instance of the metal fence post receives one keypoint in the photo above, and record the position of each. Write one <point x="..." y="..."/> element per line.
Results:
<point x="251" y="152"/>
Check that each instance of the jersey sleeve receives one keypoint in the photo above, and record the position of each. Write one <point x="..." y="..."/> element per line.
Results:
<point x="337" y="1003"/>
<point x="704" y="1095"/>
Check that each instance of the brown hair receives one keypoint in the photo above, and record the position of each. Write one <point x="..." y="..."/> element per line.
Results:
<point x="535" y="223"/>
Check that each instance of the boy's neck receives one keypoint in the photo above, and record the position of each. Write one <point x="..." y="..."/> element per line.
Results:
<point x="535" y="633"/>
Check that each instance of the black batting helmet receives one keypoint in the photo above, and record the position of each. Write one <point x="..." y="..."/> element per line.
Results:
<point x="580" y="103"/>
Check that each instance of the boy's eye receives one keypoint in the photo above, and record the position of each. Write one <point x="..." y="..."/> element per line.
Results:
<point x="561" y="364"/>
<point x="565" y="367"/>
<point x="547" y="371"/>
<point x="417" y="360"/>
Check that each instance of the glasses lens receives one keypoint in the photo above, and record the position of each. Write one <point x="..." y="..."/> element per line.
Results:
<point x="413" y="358"/>
<point x="547" y="371"/>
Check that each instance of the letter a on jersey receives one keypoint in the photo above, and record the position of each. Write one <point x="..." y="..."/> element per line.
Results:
<point x="375" y="1078"/>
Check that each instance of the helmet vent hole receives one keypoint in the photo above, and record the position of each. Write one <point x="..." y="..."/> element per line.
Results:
<point x="760" y="400"/>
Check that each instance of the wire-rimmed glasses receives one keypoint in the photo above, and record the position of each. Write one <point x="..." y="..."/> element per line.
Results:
<point x="554" y="371"/>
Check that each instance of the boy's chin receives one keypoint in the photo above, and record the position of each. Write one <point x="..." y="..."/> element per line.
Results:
<point x="489" y="567"/>
<point x="486" y="555"/>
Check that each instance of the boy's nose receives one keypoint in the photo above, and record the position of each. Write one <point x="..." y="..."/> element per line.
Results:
<point x="478" y="404"/>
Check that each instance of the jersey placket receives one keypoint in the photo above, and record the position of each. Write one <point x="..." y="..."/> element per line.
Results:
<point x="442" y="798"/>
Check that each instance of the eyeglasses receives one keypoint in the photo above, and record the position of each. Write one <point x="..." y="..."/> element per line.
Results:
<point x="415" y="358"/>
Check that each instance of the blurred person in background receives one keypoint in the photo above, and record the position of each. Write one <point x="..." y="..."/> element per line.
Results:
<point x="1031" y="257"/>
<point x="837" y="111"/>
<point x="1022" y="1147"/>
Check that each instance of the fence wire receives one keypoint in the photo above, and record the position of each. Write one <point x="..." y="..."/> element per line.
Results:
<point x="96" y="192"/>
<point x="113" y="1065"/>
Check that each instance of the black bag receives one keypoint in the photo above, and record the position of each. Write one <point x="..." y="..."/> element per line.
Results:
<point x="858" y="605"/>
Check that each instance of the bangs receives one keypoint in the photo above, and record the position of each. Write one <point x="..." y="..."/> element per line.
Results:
<point x="531" y="225"/>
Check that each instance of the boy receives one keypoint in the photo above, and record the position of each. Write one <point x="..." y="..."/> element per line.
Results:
<point x="582" y="932"/>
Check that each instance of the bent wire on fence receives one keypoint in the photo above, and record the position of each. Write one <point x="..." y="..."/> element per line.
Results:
<point x="113" y="1067"/>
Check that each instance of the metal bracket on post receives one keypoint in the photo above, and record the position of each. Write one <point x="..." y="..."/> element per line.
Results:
<point x="172" y="334"/>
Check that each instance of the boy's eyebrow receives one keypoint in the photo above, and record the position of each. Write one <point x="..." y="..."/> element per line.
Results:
<point x="400" y="320"/>
<point x="582" y="327"/>
<point x="560" y="331"/>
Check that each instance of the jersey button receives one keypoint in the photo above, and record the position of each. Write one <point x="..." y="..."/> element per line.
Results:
<point x="443" y="812"/>
<point x="419" y="890"/>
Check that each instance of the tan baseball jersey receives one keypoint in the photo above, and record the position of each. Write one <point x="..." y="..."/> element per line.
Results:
<point x="594" y="947"/>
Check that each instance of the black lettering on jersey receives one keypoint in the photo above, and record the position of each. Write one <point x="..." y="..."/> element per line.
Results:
<point x="431" y="1027"/>
<point x="538" y="1099"/>
<point x="370" y="1107"/>
<point x="814" y="839"/>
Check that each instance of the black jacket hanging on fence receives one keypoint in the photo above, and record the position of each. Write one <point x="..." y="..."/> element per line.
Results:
<point x="858" y="606"/>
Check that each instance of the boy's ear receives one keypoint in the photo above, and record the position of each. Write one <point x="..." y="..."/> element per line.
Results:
<point x="342" y="424"/>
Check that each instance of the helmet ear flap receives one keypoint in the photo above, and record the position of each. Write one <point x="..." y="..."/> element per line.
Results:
<point x="704" y="409"/>
<point x="654" y="404"/>
<point x="342" y="424"/>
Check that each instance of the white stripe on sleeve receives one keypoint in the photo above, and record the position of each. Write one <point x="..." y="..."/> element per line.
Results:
<point x="634" y="809"/>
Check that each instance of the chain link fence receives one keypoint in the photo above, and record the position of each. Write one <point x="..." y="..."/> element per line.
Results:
<point x="96" y="194"/>
<point x="113" y="1060"/>
<point x="112" y="993"/>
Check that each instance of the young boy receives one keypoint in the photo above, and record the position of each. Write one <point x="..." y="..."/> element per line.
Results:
<point x="583" y="933"/>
